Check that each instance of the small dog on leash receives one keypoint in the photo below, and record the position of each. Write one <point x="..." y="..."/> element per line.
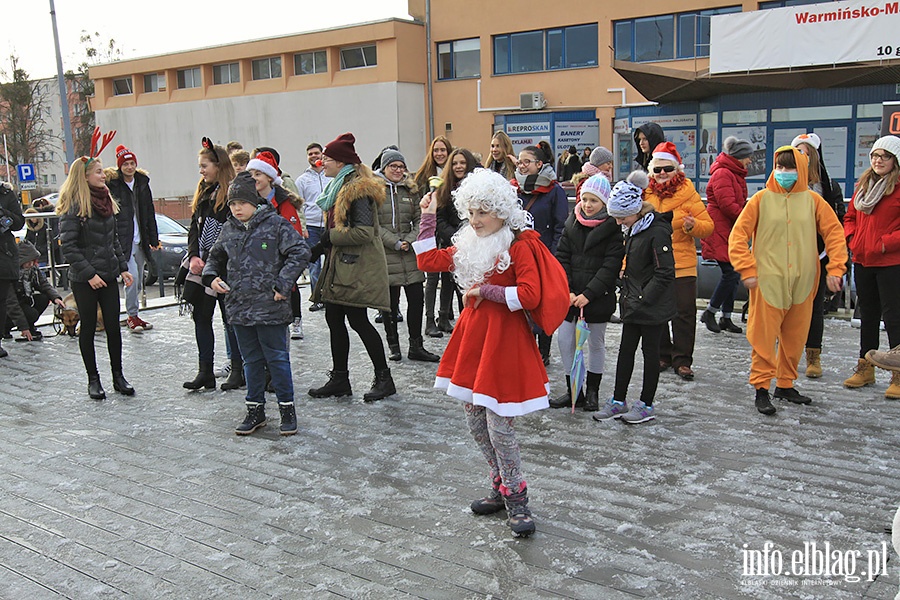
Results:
<point x="70" y="317"/>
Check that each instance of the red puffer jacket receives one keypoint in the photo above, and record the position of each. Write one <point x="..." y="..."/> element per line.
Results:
<point x="726" y="195"/>
<point x="876" y="236"/>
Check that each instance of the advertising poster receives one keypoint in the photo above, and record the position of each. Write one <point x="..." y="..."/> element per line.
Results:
<point x="685" y="141"/>
<point x="527" y="134"/>
<point x="834" y="150"/>
<point x="624" y="158"/>
<point x="866" y="134"/>
<point x="756" y="135"/>
<point x="581" y="134"/>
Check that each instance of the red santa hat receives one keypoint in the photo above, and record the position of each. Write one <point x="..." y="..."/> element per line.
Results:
<point x="667" y="151"/>
<point x="265" y="162"/>
<point x="123" y="154"/>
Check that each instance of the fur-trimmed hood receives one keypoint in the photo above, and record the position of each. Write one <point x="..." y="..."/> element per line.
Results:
<point x="356" y="188"/>
<point x="114" y="173"/>
<point x="283" y="194"/>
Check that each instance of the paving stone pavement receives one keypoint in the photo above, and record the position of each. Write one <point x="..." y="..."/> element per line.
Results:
<point x="155" y="497"/>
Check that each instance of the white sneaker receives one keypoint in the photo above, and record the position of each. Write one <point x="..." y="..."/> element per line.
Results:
<point x="297" y="329"/>
<point x="223" y="371"/>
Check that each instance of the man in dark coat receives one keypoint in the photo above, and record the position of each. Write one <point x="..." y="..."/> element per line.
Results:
<point x="135" y="225"/>
<point x="11" y="219"/>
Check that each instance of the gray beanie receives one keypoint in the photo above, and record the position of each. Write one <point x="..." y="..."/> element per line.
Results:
<point x="390" y="156"/>
<point x="600" y="155"/>
<point x="243" y="189"/>
<point x="627" y="196"/>
<point x="737" y="148"/>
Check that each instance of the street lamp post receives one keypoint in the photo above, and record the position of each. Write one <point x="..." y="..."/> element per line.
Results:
<point x="63" y="95"/>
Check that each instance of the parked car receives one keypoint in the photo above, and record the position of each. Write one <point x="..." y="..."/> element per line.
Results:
<point x="173" y="241"/>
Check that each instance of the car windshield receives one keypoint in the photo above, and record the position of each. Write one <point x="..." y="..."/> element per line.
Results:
<point x="167" y="226"/>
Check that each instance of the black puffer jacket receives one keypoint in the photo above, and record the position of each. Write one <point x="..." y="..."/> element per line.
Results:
<point x="91" y="247"/>
<point x="142" y="198"/>
<point x="448" y="223"/>
<point x="648" y="285"/>
<point x="592" y="258"/>
<point x="9" y="254"/>
<point x="205" y="210"/>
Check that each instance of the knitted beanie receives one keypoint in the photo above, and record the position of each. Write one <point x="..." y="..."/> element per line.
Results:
<point x="627" y="196"/>
<point x="243" y="189"/>
<point x="736" y="148"/>
<point x="889" y="143"/>
<point x="342" y="149"/>
<point x="123" y="154"/>
<point x="600" y="155"/>
<point x="598" y="185"/>
<point x="390" y="156"/>
<point x="265" y="163"/>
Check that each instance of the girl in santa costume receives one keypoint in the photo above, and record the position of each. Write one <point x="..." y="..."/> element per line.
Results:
<point x="505" y="271"/>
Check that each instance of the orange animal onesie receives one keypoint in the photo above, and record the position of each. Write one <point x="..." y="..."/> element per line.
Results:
<point x="774" y="240"/>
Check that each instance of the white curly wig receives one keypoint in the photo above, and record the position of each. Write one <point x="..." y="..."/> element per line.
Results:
<point x="489" y="191"/>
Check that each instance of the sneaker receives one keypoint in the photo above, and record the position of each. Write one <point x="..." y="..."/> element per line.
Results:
<point x="223" y="371"/>
<point x="297" y="329"/>
<point x="134" y="324"/>
<point x="613" y="409"/>
<point x="639" y="413"/>
<point x="709" y="319"/>
<point x="889" y="360"/>
<point x="316" y="306"/>
<point x="147" y="326"/>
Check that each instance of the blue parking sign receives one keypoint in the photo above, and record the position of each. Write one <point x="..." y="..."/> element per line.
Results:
<point x="25" y="172"/>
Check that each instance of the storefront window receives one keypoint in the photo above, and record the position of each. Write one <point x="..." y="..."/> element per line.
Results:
<point x="812" y="113"/>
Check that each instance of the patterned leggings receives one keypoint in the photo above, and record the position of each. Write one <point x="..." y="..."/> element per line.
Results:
<point x="496" y="439"/>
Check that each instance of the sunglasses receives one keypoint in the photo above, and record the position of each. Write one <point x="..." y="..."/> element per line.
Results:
<point x="667" y="169"/>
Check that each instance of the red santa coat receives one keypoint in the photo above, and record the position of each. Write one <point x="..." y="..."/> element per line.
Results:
<point x="492" y="359"/>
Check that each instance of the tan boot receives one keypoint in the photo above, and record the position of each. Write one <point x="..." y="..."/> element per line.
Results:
<point x="893" y="391"/>
<point x="864" y="375"/>
<point x="813" y="366"/>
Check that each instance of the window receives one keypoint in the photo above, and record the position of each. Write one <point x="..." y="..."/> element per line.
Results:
<point x="693" y="31"/>
<point x="53" y="179"/>
<point x="529" y="51"/>
<point x="230" y="73"/>
<point x="783" y="3"/>
<point x="44" y="179"/>
<point x="189" y="78"/>
<point x="665" y="37"/>
<point x="310" y="63"/>
<point x="359" y="56"/>
<point x="267" y="68"/>
<point x="459" y="59"/>
<point x="122" y="86"/>
<point x="154" y="82"/>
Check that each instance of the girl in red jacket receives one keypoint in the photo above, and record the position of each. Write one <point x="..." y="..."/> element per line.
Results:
<point x="872" y="229"/>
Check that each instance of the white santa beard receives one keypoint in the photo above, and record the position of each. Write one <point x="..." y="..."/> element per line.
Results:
<point x="476" y="257"/>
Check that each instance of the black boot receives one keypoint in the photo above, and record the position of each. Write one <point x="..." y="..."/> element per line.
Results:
<point x="444" y="323"/>
<point x="393" y="338"/>
<point x="120" y="384"/>
<point x="791" y="395"/>
<point x="729" y="326"/>
<point x="431" y="328"/>
<point x="592" y="397"/>
<point x="288" y="418"/>
<point x="544" y="342"/>
<point x="382" y="386"/>
<point x="519" y="515"/>
<point x="204" y="378"/>
<point x="708" y="318"/>
<point x="4" y="353"/>
<point x="490" y="504"/>
<point x="256" y="418"/>
<point x="763" y="402"/>
<point x="338" y="385"/>
<point x="417" y="351"/>
<point x="95" y="390"/>
<point x="565" y="399"/>
<point x="235" y="376"/>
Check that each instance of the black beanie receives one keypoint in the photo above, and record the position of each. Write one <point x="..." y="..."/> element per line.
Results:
<point x="243" y="189"/>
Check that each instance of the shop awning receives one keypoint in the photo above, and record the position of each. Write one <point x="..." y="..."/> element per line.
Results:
<point x="662" y="84"/>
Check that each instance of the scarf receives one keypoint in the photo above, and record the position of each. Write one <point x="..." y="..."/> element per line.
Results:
<point x="328" y="197"/>
<point x="640" y="225"/>
<point x="866" y="200"/>
<point x="590" y="221"/>
<point x="540" y="183"/>
<point x="101" y="203"/>
<point x="667" y="189"/>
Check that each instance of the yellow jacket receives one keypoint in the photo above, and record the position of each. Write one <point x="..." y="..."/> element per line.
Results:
<point x="686" y="201"/>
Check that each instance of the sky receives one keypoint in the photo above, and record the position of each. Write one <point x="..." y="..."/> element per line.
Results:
<point x="163" y="26"/>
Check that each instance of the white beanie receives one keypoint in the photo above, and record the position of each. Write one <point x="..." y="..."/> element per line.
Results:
<point x="627" y="196"/>
<point x="598" y="185"/>
<point x="891" y="143"/>
<point x="807" y="138"/>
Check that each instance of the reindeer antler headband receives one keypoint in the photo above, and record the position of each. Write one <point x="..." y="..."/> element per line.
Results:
<point x="95" y="137"/>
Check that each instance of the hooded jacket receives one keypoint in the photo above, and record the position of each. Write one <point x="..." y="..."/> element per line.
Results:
<point x="355" y="271"/>
<point x="655" y="136"/>
<point x="141" y="201"/>
<point x="686" y="201"/>
<point x="261" y="257"/>
<point x="648" y="296"/>
<point x="781" y="227"/>
<point x="30" y="282"/>
<point x="290" y="206"/>
<point x="398" y="219"/>
<point x="726" y="195"/>
<point x="9" y="209"/>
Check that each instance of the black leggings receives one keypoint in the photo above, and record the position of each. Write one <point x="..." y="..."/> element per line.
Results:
<point x="295" y="303"/>
<point x="415" y="296"/>
<point x="203" y="329"/>
<point x="878" y="299"/>
<point x="107" y="298"/>
<point x="649" y="336"/>
<point x="358" y="318"/>
<point x="817" y="322"/>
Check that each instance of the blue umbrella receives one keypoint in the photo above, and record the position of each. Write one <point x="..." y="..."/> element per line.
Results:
<point x="578" y="371"/>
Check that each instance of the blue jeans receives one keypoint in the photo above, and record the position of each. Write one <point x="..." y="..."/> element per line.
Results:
<point x="133" y="292"/>
<point x="315" y="268"/>
<point x="262" y="345"/>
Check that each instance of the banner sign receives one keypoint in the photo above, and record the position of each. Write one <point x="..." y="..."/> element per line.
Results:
<point x="828" y="33"/>
<point x="581" y="134"/>
<point x="890" y="118"/>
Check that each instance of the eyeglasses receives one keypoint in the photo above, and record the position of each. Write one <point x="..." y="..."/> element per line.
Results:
<point x="397" y="167"/>
<point x="881" y="156"/>
<point x="667" y="169"/>
<point x="528" y="162"/>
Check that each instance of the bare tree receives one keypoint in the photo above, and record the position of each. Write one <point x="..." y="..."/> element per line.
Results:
<point x="80" y="87"/>
<point x="23" y="108"/>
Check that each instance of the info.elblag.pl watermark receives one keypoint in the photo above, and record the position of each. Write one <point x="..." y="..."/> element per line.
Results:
<point x="814" y="564"/>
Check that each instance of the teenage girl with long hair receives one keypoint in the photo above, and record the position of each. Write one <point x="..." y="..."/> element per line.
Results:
<point x="502" y="156"/>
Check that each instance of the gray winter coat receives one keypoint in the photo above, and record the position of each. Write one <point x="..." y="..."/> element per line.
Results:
<point x="399" y="220"/>
<point x="261" y="257"/>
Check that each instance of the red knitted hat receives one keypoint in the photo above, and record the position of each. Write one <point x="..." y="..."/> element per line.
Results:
<point x="341" y="149"/>
<point x="123" y="154"/>
<point x="667" y="151"/>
